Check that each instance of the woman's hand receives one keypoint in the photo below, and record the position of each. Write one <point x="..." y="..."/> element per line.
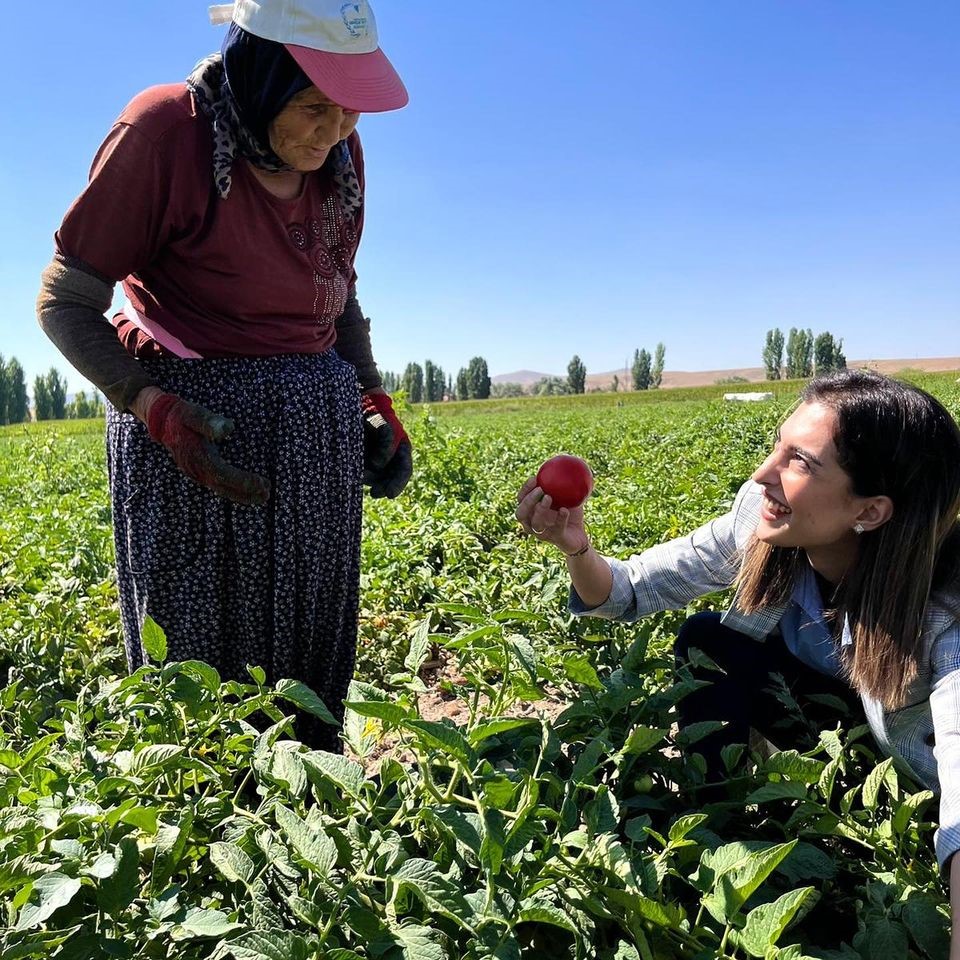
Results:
<point x="191" y="432"/>
<point x="563" y="528"/>
<point x="387" y="453"/>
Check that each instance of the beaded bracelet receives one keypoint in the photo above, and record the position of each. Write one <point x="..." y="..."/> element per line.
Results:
<point x="580" y="552"/>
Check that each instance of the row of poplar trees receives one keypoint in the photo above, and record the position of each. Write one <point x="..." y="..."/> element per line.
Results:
<point x="806" y="354"/>
<point x="429" y="384"/>
<point x="49" y="396"/>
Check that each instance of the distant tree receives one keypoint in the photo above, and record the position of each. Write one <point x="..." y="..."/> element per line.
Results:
<point x="5" y="392"/>
<point x="656" y="371"/>
<point x="828" y="354"/>
<point x="41" y="398"/>
<point x="57" y="391"/>
<point x="615" y="385"/>
<point x="773" y="353"/>
<point x="413" y="382"/>
<point x="439" y="384"/>
<point x="722" y="381"/>
<point x="391" y="382"/>
<point x="429" y="382"/>
<point x="551" y="387"/>
<point x="576" y="375"/>
<point x="502" y="390"/>
<point x="450" y="393"/>
<point x="18" y="406"/>
<point x="478" y="379"/>
<point x="641" y="370"/>
<point x="82" y="407"/>
<point x="463" y="385"/>
<point x="799" y="353"/>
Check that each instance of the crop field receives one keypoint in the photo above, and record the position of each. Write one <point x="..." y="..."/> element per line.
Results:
<point x="514" y="784"/>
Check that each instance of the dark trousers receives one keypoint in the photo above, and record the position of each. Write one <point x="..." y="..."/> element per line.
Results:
<point x="746" y="694"/>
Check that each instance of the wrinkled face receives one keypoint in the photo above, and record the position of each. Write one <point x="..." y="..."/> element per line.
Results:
<point x="307" y="128"/>
<point x="808" y="501"/>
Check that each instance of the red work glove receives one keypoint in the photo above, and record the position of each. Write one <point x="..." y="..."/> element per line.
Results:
<point x="387" y="454"/>
<point x="191" y="432"/>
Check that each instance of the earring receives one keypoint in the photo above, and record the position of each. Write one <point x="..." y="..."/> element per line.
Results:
<point x="858" y="528"/>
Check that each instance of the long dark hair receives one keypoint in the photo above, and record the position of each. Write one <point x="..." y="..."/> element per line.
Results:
<point x="892" y="440"/>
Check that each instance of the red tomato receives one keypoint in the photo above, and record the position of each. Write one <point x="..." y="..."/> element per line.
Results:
<point x="567" y="479"/>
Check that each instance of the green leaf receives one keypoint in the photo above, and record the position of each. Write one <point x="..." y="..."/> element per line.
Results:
<point x="766" y="923"/>
<point x="494" y="840"/>
<point x="790" y="763"/>
<point x="345" y="774"/>
<point x="681" y="827"/>
<point x="300" y="695"/>
<point x="204" y="923"/>
<point x="697" y="731"/>
<point x="908" y="807"/>
<point x="232" y="862"/>
<point x="155" y="758"/>
<point x="491" y="727"/>
<point x="533" y="911"/>
<point x="313" y="846"/>
<point x="807" y="862"/>
<point x="465" y="827"/>
<point x="417" y="943"/>
<point x="154" y="640"/>
<point x="784" y="790"/>
<point x="52" y="891"/>
<point x="391" y="713"/>
<point x="580" y="670"/>
<point x="285" y="767"/>
<point x="884" y="938"/>
<point x="523" y="651"/>
<point x="642" y="739"/>
<point x="419" y="647"/>
<point x="928" y="924"/>
<point x="873" y="782"/>
<point x="736" y="886"/>
<point x="117" y="891"/>
<point x="423" y="878"/>
<point x="265" y="945"/>
<point x="444" y="737"/>
<point x="101" y="868"/>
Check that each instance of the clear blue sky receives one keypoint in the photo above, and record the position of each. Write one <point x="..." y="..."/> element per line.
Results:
<point x="576" y="178"/>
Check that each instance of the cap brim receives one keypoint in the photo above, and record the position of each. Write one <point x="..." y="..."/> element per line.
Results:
<point x="365" y="82"/>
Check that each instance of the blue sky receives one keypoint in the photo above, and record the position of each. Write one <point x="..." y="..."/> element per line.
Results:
<point x="576" y="177"/>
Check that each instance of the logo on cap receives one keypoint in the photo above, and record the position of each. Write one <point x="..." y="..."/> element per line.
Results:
<point x="353" y="20"/>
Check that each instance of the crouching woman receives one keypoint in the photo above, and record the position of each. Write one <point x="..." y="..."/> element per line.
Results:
<point x="845" y="550"/>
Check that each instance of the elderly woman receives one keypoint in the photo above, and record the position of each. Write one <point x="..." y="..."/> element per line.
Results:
<point x="247" y="409"/>
<point x="845" y="549"/>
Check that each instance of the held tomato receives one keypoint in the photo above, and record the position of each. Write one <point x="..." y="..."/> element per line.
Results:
<point x="567" y="479"/>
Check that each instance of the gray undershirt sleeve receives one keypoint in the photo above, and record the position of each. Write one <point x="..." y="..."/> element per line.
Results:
<point x="353" y="342"/>
<point x="70" y="309"/>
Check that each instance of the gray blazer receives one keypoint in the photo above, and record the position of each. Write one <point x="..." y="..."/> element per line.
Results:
<point x="923" y="738"/>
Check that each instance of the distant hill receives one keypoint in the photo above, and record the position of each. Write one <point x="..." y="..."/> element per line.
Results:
<point x="524" y="377"/>
<point x="702" y="378"/>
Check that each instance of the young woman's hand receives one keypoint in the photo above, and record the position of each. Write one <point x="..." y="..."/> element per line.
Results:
<point x="563" y="528"/>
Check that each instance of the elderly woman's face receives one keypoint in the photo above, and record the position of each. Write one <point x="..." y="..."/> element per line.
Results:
<point x="307" y="128"/>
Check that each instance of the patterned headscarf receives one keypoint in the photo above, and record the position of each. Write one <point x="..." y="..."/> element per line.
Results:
<point x="240" y="91"/>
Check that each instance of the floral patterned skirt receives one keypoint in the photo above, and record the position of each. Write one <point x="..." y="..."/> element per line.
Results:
<point x="273" y="586"/>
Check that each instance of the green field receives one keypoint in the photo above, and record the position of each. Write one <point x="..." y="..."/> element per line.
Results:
<point x="536" y="815"/>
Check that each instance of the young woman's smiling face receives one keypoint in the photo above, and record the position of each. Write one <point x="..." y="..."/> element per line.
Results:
<point x="808" y="498"/>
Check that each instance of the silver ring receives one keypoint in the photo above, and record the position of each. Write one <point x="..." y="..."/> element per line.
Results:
<point x="536" y="531"/>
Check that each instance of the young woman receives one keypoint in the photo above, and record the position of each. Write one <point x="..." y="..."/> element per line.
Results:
<point x="246" y="407"/>
<point x="845" y="550"/>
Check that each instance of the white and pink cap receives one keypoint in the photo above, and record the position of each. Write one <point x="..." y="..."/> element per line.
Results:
<point x="334" y="43"/>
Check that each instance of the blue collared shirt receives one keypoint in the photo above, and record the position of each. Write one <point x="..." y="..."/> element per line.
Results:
<point x="805" y="630"/>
